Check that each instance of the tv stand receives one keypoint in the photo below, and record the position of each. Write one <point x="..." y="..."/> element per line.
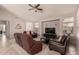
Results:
<point x="49" y="34"/>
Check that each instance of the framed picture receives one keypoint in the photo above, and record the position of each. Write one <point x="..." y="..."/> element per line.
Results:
<point x="18" y="26"/>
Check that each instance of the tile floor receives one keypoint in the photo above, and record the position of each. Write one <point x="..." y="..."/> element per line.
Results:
<point x="9" y="47"/>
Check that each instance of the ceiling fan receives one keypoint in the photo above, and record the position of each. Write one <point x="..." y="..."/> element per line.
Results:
<point x="36" y="7"/>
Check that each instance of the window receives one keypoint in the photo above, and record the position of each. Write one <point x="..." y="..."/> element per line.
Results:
<point x="29" y="26"/>
<point x="68" y="25"/>
<point x="37" y="25"/>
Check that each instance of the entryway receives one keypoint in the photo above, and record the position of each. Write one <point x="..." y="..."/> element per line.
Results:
<point x="4" y="32"/>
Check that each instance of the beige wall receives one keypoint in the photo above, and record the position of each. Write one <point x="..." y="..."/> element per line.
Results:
<point x="13" y="20"/>
<point x="60" y="23"/>
<point x="77" y="30"/>
<point x="51" y="24"/>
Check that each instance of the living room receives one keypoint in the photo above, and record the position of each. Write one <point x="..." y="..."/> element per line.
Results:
<point x="46" y="22"/>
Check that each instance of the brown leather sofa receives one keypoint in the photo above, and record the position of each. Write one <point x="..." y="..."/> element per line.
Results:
<point x="27" y="43"/>
<point x="59" y="46"/>
<point x="30" y="45"/>
<point x="18" y="38"/>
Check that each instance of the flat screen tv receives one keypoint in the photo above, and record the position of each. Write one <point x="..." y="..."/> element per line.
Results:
<point x="50" y="30"/>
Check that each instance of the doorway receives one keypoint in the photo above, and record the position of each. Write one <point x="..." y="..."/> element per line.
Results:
<point x="4" y="33"/>
<point x="4" y="28"/>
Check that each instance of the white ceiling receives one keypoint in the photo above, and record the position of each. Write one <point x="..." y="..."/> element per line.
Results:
<point x="49" y="11"/>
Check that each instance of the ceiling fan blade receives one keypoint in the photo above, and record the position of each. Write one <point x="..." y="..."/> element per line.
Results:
<point x="37" y="5"/>
<point x="39" y="9"/>
<point x="31" y="5"/>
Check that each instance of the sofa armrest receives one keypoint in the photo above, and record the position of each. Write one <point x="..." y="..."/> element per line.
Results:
<point x="54" y="41"/>
<point x="57" y="43"/>
<point x="37" y="45"/>
<point x="57" y="47"/>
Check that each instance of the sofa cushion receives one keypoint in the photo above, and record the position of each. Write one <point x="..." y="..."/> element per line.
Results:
<point x="63" y="39"/>
<point x="59" y="39"/>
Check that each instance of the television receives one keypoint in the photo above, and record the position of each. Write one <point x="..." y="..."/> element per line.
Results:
<point x="50" y="30"/>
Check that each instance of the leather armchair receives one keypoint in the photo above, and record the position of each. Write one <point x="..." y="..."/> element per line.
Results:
<point x="30" y="45"/>
<point x="59" y="46"/>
